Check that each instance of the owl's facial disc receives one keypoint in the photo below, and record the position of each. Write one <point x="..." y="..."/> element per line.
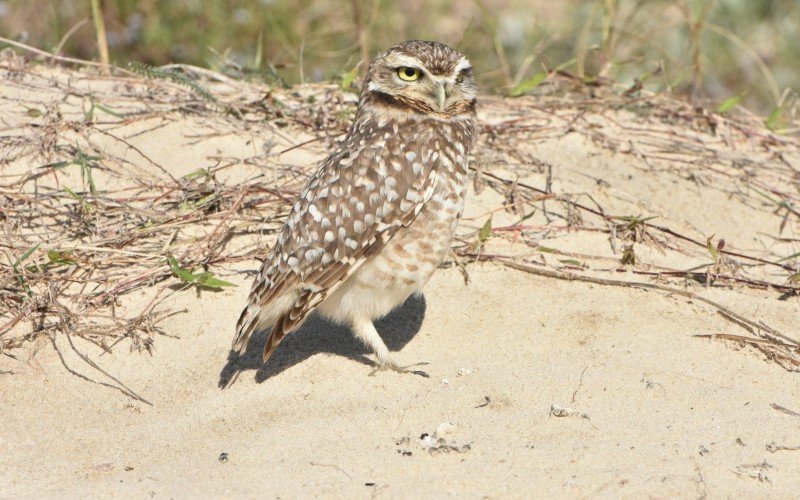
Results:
<point x="438" y="91"/>
<point x="434" y="89"/>
<point x="445" y="88"/>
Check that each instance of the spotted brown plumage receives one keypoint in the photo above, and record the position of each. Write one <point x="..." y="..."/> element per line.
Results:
<point x="377" y="217"/>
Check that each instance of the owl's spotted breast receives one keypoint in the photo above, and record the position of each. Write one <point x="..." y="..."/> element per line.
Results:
<point x="407" y="261"/>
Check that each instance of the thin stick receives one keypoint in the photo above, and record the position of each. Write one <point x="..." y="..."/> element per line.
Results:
<point x="733" y="316"/>
<point x="68" y="34"/>
<point x="100" y="27"/>
<point x="653" y="226"/>
<point x="361" y="35"/>
<point x="55" y="57"/>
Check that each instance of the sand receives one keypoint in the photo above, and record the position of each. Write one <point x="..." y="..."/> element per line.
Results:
<point x="538" y="387"/>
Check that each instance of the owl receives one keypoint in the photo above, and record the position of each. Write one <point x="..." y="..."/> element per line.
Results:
<point x="377" y="217"/>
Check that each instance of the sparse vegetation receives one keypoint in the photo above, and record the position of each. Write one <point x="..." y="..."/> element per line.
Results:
<point x="705" y="48"/>
<point x="129" y="225"/>
<point x="638" y="223"/>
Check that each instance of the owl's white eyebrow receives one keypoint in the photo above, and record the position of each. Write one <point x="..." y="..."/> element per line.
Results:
<point x="462" y="65"/>
<point x="401" y="60"/>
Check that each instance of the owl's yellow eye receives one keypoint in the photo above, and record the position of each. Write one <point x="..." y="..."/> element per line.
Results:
<point x="408" y="73"/>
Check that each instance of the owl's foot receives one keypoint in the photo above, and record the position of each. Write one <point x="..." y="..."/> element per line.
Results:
<point x="391" y="365"/>
<point x="365" y="330"/>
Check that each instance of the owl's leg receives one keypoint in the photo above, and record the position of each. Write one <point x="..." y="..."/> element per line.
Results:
<point x="366" y="331"/>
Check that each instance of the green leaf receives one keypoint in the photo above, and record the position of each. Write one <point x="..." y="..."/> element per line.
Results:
<point x="84" y="204"/>
<point x="729" y="104"/>
<point x="56" y="257"/>
<point x="18" y="275"/>
<point x="633" y="218"/>
<point x="208" y="280"/>
<point x="204" y="279"/>
<point x="182" y="273"/>
<point x="571" y="262"/>
<point x="795" y="278"/>
<point x="174" y="75"/>
<point x="25" y="255"/>
<point x="545" y="249"/>
<point x="349" y="77"/>
<point x="526" y="86"/>
<point x="633" y="221"/>
<point x="90" y="179"/>
<point x="793" y="256"/>
<point x="204" y="200"/>
<point x="712" y="249"/>
<point x="86" y="169"/>
<point x="107" y="110"/>
<point x="34" y="113"/>
<point x="57" y="165"/>
<point x="72" y="194"/>
<point x="200" y="172"/>
<point x="774" y="118"/>
<point x="486" y="230"/>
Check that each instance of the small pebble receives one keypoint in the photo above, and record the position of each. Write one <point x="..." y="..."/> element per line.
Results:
<point x="560" y="411"/>
<point x="444" y="429"/>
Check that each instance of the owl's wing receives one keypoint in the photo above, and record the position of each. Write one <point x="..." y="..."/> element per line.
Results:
<point x="350" y="209"/>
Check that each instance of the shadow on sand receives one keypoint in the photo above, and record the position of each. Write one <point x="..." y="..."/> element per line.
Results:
<point x="319" y="335"/>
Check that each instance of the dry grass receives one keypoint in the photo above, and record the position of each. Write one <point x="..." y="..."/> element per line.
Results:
<point x="71" y="254"/>
<point x="707" y="48"/>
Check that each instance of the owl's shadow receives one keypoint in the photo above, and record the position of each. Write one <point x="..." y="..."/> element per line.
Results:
<point x="319" y="335"/>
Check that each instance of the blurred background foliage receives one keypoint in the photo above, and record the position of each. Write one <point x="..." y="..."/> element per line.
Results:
<point x="715" y="49"/>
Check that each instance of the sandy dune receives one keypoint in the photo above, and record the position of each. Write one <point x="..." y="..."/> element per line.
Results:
<point x="538" y="386"/>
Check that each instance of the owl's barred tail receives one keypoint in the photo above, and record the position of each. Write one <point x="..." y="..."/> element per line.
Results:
<point x="250" y="321"/>
<point x="256" y="316"/>
<point x="247" y="323"/>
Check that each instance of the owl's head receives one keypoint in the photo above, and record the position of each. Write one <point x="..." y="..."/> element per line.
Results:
<point x="421" y="76"/>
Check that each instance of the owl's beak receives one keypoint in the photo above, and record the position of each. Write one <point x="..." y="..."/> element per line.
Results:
<point x="441" y="95"/>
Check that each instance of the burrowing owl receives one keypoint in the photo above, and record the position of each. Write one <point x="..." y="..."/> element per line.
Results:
<point x="377" y="217"/>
